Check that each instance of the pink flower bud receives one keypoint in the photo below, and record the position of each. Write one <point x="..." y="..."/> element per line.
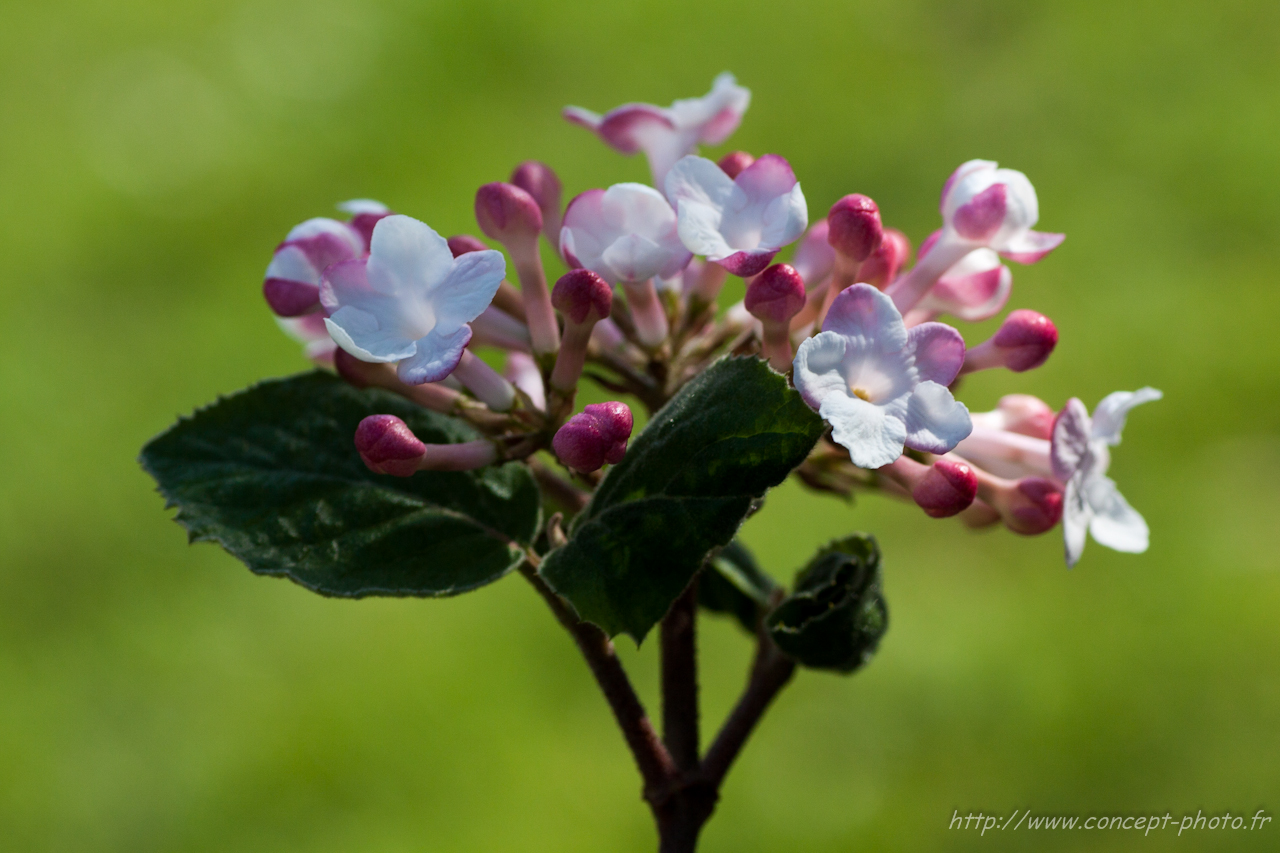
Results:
<point x="388" y="446"/>
<point x="461" y="244"/>
<point x="1027" y="415"/>
<point x="594" y="436"/>
<point x="947" y="488"/>
<point x="582" y="297"/>
<point x="1030" y="506"/>
<point x="1036" y="508"/>
<point x="1024" y="341"/>
<point x="854" y="228"/>
<point x="734" y="162"/>
<point x="890" y="256"/>
<point x="507" y="214"/>
<point x="1028" y="338"/>
<point x="776" y="295"/>
<point x="540" y="182"/>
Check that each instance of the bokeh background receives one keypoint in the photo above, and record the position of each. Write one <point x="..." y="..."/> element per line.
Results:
<point x="158" y="697"/>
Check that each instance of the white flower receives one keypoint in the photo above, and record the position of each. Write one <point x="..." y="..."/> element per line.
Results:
<point x="1080" y="458"/>
<point x="993" y="207"/>
<point x="880" y="385"/>
<point x="626" y="233"/>
<point x="739" y="223"/>
<point x="410" y="301"/>
<point x="665" y="134"/>
<point x="976" y="288"/>
<point x="292" y="281"/>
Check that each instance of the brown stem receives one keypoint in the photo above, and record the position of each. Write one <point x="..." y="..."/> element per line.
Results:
<point x="572" y="499"/>
<point x="769" y="674"/>
<point x="680" y="679"/>
<point x="656" y="766"/>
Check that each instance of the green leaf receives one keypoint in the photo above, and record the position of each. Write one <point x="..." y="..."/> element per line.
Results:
<point x="733" y="583"/>
<point x="683" y="489"/>
<point x="272" y="475"/>
<point x="837" y="615"/>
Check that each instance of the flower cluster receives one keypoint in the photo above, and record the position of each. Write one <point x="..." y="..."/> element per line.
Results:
<point x="390" y="302"/>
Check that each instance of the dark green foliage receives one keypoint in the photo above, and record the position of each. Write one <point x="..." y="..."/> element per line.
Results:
<point x="272" y="475"/>
<point x="683" y="489"/>
<point x="837" y="614"/>
<point x="733" y="583"/>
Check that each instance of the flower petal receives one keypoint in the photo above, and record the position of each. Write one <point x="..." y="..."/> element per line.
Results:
<point x="467" y="290"/>
<point x="698" y="180"/>
<point x="1109" y="417"/>
<point x="818" y="367"/>
<point x="768" y="177"/>
<point x="872" y="434"/>
<point x="716" y="114"/>
<point x="1070" y="440"/>
<point x="862" y="311"/>
<point x="699" y="229"/>
<point x="291" y="263"/>
<point x="436" y="357"/>
<point x="973" y="297"/>
<point x="1115" y="524"/>
<point x="938" y="350"/>
<point x="936" y="422"/>
<point x="360" y="333"/>
<point x="407" y="257"/>
<point x="1076" y="515"/>
<point x="1030" y="246"/>
<point x="784" y="219"/>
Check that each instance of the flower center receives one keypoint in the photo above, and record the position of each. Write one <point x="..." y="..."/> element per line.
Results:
<point x="860" y="394"/>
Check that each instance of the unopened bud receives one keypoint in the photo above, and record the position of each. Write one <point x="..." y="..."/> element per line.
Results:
<point x="733" y="163"/>
<point x="541" y="182"/>
<point x="594" y="436"/>
<point x="1028" y="338"/>
<point x="854" y="228"/>
<point x="1024" y="341"/>
<point x="582" y="297"/>
<point x="1030" y="506"/>
<point x="507" y="214"/>
<point x="947" y="488"/>
<point x="1026" y="414"/>
<point x="461" y="244"/>
<point x="776" y="295"/>
<point x="889" y="257"/>
<point x="388" y="446"/>
<point x="365" y="213"/>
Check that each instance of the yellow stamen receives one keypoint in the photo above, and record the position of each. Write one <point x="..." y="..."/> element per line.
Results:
<point x="860" y="394"/>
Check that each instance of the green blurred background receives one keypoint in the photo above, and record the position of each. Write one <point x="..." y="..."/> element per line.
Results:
<point x="158" y="697"/>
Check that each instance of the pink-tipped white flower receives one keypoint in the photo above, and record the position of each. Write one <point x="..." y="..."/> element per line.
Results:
<point x="880" y="385"/>
<point x="995" y="208"/>
<point x="1024" y="341"/>
<point x="983" y="207"/>
<point x="410" y="301"/>
<point x="388" y="446"/>
<point x="665" y="134"/>
<point x="309" y="331"/>
<point x="974" y="288"/>
<point x="292" y="285"/>
<point x="626" y="233"/>
<point x="596" y="435"/>
<point x="1081" y="455"/>
<point x="739" y="223"/>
